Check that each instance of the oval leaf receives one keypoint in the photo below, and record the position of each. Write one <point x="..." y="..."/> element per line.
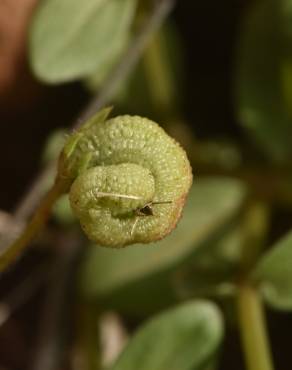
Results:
<point x="123" y="275"/>
<point x="70" y="39"/>
<point x="183" y="338"/>
<point x="274" y="274"/>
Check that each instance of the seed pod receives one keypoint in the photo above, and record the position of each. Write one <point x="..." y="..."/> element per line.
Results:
<point x="120" y="166"/>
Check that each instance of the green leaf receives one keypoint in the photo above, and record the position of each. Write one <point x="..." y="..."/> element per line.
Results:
<point x="183" y="338"/>
<point x="211" y="272"/>
<point x="62" y="211"/>
<point x="274" y="274"/>
<point x="53" y="146"/>
<point x="121" y="277"/>
<point x="263" y="72"/>
<point x="70" y="39"/>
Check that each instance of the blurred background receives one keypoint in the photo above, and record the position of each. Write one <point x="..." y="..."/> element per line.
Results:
<point x="207" y="40"/>
<point x="218" y="77"/>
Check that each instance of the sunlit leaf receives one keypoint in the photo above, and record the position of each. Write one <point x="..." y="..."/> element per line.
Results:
<point x="183" y="338"/>
<point x="274" y="274"/>
<point x="70" y="39"/>
<point x="135" y="276"/>
<point x="263" y="72"/>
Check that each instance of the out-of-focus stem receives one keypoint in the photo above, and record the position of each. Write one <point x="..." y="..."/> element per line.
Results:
<point x="253" y="329"/>
<point x="40" y="217"/>
<point x="160" y="81"/>
<point x="87" y="347"/>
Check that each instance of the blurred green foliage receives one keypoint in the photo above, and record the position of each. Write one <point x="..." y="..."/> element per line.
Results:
<point x="274" y="274"/>
<point x="94" y="34"/>
<point x="204" y="256"/>
<point x="263" y="76"/>
<point x="168" y="340"/>
<point x="134" y="280"/>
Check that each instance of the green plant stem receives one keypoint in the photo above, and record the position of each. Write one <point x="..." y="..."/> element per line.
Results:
<point x="163" y="90"/>
<point x="254" y="226"/>
<point x="38" y="220"/>
<point x="159" y="79"/>
<point x="253" y="329"/>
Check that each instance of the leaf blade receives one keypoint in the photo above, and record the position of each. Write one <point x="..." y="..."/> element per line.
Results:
<point x="183" y="338"/>
<point x="120" y="278"/>
<point x="273" y="273"/>
<point x="69" y="40"/>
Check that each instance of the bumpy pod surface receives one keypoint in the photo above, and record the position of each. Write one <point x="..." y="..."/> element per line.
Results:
<point x="121" y="166"/>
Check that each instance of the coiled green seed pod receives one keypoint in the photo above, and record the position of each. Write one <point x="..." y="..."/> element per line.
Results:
<point x="130" y="180"/>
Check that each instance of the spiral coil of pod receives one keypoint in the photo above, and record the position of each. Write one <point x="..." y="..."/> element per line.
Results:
<point x="121" y="166"/>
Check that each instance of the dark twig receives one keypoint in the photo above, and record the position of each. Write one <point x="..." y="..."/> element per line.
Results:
<point x="128" y="61"/>
<point x="48" y="354"/>
<point x="118" y="75"/>
<point x="35" y="193"/>
<point x="23" y="292"/>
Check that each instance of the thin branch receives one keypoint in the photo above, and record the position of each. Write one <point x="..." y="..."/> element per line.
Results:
<point x="111" y="85"/>
<point x="34" y="194"/>
<point x="22" y="292"/>
<point x="10" y="252"/>
<point x="253" y="329"/>
<point x="48" y="355"/>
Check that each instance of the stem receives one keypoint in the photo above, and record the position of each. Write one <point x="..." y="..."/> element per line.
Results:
<point x="87" y="349"/>
<point x="159" y="79"/>
<point x="254" y="226"/>
<point x="40" y="217"/>
<point x="250" y="309"/>
<point x="24" y="290"/>
<point x="53" y="334"/>
<point x="129" y="60"/>
<point x="163" y="90"/>
<point x="253" y="329"/>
